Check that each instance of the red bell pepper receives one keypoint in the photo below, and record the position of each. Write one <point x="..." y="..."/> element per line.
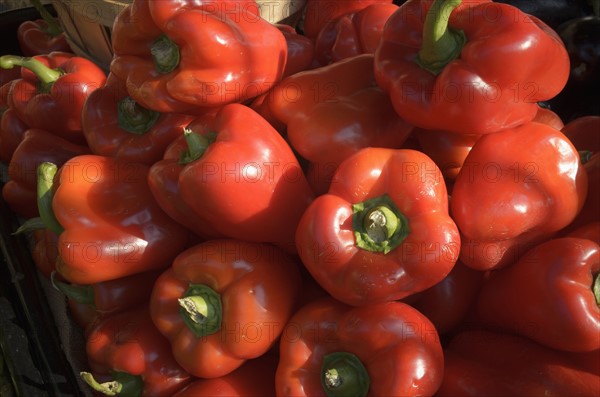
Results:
<point x="224" y="302"/>
<point x="53" y="90"/>
<point x="300" y="51"/>
<point x="41" y="36"/>
<point x="317" y="13"/>
<point x="353" y="33"/>
<point x="36" y="147"/>
<point x="386" y="349"/>
<point x="111" y="296"/>
<point x="12" y="127"/>
<point x="551" y="295"/>
<point x="383" y="231"/>
<point x="590" y="231"/>
<point x="448" y="303"/>
<point x="483" y="363"/>
<point x="109" y="224"/>
<point x="186" y="56"/>
<point x="516" y="188"/>
<point x="129" y="357"/>
<point x="255" y="378"/>
<point x="333" y="111"/>
<point x="44" y="251"/>
<point x="115" y="125"/>
<point x="473" y="67"/>
<point x="238" y="178"/>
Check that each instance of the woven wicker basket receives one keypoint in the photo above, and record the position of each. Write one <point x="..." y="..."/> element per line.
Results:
<point x="88" y="23"/>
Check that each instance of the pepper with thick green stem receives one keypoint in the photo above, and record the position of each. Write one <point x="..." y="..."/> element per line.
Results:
<point x="344" y="375"/>
<point x="52" y="91"/>
<point x="123" y="384"/>
<point x="468" y="67"/>
<point x="41" y="36"/>
<point x="223" y="302"/>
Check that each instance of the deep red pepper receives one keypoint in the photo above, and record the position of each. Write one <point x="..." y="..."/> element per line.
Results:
<point x="41" y="36"/>
<point x="300" y="51"/>
<point x="473" y="67"/>
<point x="483" y="363"/>
<point x="108" y="222"/>
<point x="551" y="295"/>
<point x="383" y="231"/>
<point x="516" y="188"/>
<point x="115" y="125"/>
<point x="129" y="357"/>
<point x="36" y="147"/>
<point x="317" y="13"/>
<point x="353" y="33"/>
<point x="189" y="56"/>
<point x="12" y="127"/>
<point x="331" y="349"/>
<point x="51" y="95"/>
<point x="238" y="178"/>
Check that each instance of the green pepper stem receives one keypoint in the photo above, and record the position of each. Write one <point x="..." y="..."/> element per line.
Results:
<point x="441" y="44"/>
<point x="123" y="384"/>
<point x="53" y="28"/>
<point x="46" y="75"/>
<point x="165" y="54"/>
<point x="45" y="194"/>
<point x="596" y="288"/>
<point x="134" y="118"/>
<point x="344" y="375"/>
<point x="83" y="294"/>
<point x="201" y="310"/>
<point x="196" y="146"/>
<point x="379" y="226"/>
<point x="585" y="156"/>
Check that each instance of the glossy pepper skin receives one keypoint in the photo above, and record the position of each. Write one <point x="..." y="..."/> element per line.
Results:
<point x="386" y="349"/>
<point x="300" y="50"/>
<point x="36" y="147"/>
<point x="115" y="125"/>
<point x="329" y="113"/>
<point x="383" y="231"/>
<point x="318" y="13"/>
<point x="484" y="363"/>
<point x="239" y="178"/>
<point x="548" y="295"/>
<point x="111" y="225"/>
<point x="506" y="200"/>
<point x="353" y="33"/>
<point x="224" y="302"/>
<point x="53" y="88"/>
<point x="483" y="73"/>
<point x="190" y="56"/>
<point x="129" y="357"/>
<point x="41" y="36"/>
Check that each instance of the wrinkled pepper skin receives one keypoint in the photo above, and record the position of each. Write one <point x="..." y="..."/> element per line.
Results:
<point x="51" y="97"/>
<point x="249" y="291"/>
<point x="115" y="125"/>
<point x="393" y="351"/>
<point x="490" y="83"/>
<point x="548" y="295"/>
<point x="112" y="225"/>
<point x="483" y="363"/>
<point x="354" y="33"/>
<point x="242" y="181"/>
<point x="383" y="231"/>
<point x="317" y="13"/>
<point x="516" y="188"/>
<point x="127" y="348"/>
<point x="191" y="56"/>
<point x="36" y="147"/>
<point x="34" y="38"/>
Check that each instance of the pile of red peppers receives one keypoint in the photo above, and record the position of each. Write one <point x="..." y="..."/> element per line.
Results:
<point x="373" y="200"/>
